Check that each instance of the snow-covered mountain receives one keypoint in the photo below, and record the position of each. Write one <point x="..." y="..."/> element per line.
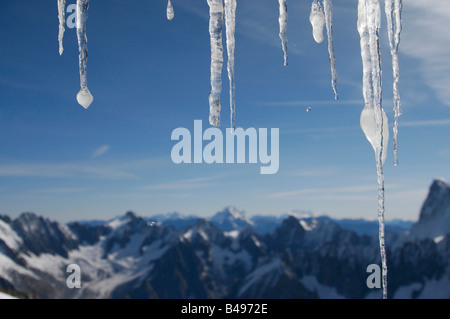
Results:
<point x="222" y="257"/>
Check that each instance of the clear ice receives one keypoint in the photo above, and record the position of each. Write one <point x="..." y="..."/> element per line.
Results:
<point x="317" y="20"/>
<point x="393" y="10"/>
<point x="215" y="33"/>
<point x="230" y="26"/>
<point x="170" y="12"/>
<point x="62" y="22"/>
<point x="373" y="118"/>
<point x="84" y="97"/>
<point x="282" y="20"/>
<point x="328" y="9"/>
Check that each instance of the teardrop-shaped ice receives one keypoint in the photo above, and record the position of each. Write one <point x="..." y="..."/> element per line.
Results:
<point x="369" y="127"/>
<point x="317" y="19"/>
<point x="170" y="12"/>
<point x="85" y="98"/>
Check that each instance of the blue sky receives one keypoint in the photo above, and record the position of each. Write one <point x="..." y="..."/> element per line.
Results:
<point x="149" y="76"/>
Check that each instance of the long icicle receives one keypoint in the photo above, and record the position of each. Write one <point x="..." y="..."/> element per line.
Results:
<point x="282" y="21"/>
<point x="84" y="97"/>
<point x="230" y="26"/>
<point x="393" y="9"/>
<point x="62" y="22"/>
<point x="373" y="13"/>
<point x="215" y="33"/>
<point x="376" y="121"/>
<point x="328" y="9"/>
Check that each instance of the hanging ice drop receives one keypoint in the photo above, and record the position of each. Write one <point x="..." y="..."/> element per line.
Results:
<point x="62" y="22"/>
<point x="317" y="20"/>
<point x="84" y="97"/>
<point x="369" y="127"/>
<point x="170" y="12"/>
<point x="282" y="20"/>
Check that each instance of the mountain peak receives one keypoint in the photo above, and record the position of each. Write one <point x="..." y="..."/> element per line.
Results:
<point x="434" y="218"/>
<point x="291" y="233"/>
<point x="230" y="219"/>
<point x="233" y="212"/>
<point x="130" y="215"/>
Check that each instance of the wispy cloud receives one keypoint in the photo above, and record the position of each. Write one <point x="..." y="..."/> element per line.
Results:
<point x="315" y="172"/>
<point x="100" y="151"/>
<point x="256" y="21"/>
<point x="439" y="122"/>
<point x="310" y="103"/>
<point x="325" y="191"/>
<point x="426" y="37"/>
<point x="191" y="183"/>
<point x="60" y="191"/>
<point x="331" y="129"/>
<point x="124" y="169"/>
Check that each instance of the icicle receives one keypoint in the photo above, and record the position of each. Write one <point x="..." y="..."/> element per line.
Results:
<point x="373" y="119"/>
<point x="230" y="24"/>
<point x="84" y="97"/>
<point x="317" y="20"/>
<point x="170" y="13"/>
<point x="328" y="9"/>
<point x="393" y="9"/>
<point x="215" y="32"/>
<point x="282" y="20"/>
<point x="62" y="22"/>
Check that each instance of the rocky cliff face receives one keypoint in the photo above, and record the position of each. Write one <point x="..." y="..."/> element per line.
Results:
<point x="129" y="257"/>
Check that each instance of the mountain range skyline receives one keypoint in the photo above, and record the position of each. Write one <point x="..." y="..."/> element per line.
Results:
<point x="310" y="257"/>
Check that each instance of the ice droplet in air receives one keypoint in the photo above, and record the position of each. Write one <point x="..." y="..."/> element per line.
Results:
<point x="170" y="13"/>
<point x="317" y="20"/>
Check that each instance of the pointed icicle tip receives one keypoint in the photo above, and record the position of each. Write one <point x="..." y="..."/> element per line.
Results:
<point x="85" y="98"/>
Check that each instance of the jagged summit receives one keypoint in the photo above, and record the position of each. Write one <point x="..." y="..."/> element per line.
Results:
<point x="230" y="219"/>
<point x="434" y="218"/>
